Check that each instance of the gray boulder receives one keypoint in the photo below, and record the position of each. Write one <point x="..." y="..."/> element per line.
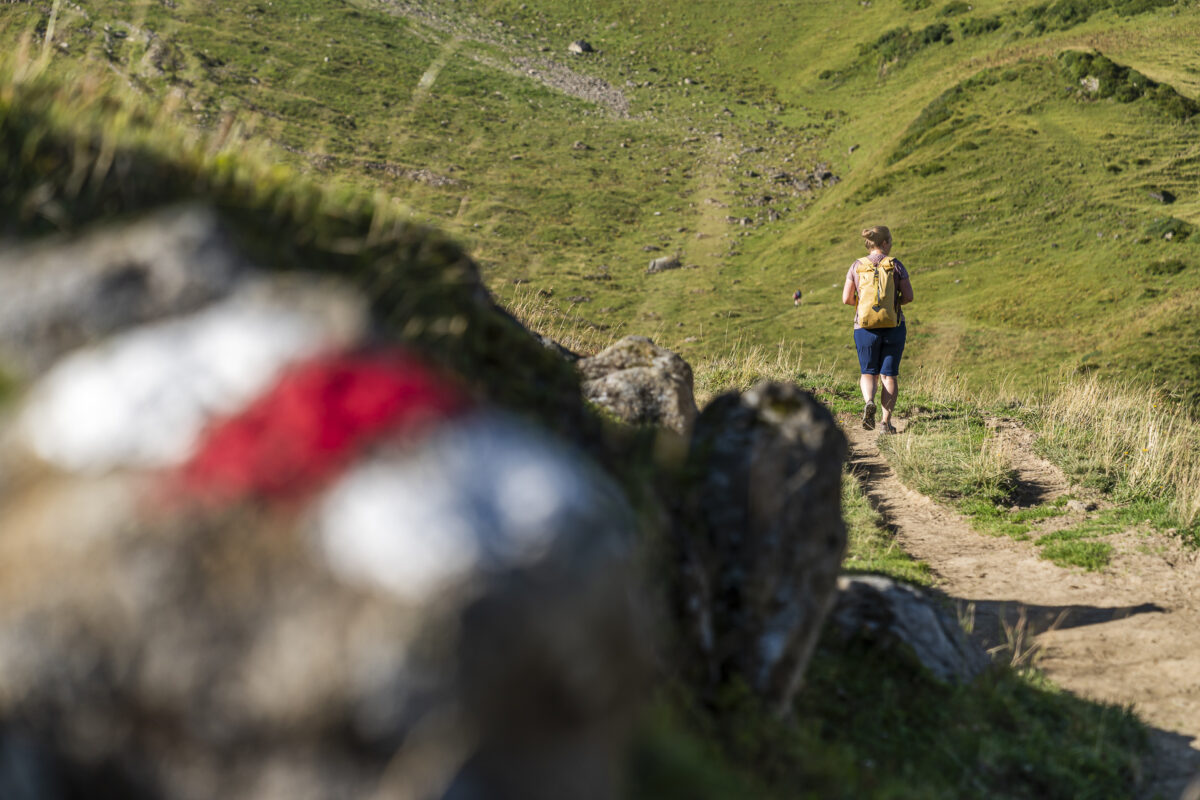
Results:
<point x="760" y="537"/>
<point x="663" y="264"/>
<point x="641" y="383"/>
<point x="889" y="613"/>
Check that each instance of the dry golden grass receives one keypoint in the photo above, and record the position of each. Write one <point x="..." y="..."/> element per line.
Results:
<point x="1123" y="430"/>
<point x="951" y="459"/>
<point x="745" y="365"/>
<point x="538" y="313"/>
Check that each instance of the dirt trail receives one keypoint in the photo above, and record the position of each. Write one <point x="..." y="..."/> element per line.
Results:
<point x="1129" y="634"/>
<point x="1040" y="481"/>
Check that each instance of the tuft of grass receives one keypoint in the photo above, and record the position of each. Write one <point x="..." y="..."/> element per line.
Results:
<point x="570" y="329"/>
<point x="1169" y="228"/>
<point x="1123" y="83"/>
<point x="1077" y="546"/>
<point x="742" y="366"/>
<point x="954" y="8"/>
<point x="995" y="520"/>
<point x="1170" y="266"/>
<point x="978" y="26"/>
<point x="1089" y="555"/>
<point x="1137" y="446"/>
<point x="952" y="458"/>
<point x="897" y="45"/>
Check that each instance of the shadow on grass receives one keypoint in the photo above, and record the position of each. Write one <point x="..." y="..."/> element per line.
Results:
<point x="994" y="618"/>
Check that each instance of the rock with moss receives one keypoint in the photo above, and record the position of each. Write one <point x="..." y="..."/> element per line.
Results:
<point x="449" y="614"/>
<point x="290" y="498"/>
<point x="759" y="538"/>
<point x="642" y="384"/>
<point x="265" y="557"/>
<point x="57" y="177"/>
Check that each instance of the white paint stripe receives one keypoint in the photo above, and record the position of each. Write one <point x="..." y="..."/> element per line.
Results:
<point x="142" y="398"/>
<point x="480" y="496"/>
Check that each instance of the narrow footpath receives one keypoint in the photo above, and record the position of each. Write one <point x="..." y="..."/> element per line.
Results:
<point x="1127" y="635"/>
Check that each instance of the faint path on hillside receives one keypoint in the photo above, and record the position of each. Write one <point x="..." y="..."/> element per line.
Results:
<point x="706" y="247"/>
<point x="1128" y="635"/>
<point x="430" y="76"/>
<point x="520" y="59"/>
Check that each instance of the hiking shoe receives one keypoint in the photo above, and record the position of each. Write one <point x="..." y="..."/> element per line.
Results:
<point x="869" y="417"/>
<point x="888" y="428"/>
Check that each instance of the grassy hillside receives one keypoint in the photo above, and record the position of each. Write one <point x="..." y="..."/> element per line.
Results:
<point x="1019" y="181"/>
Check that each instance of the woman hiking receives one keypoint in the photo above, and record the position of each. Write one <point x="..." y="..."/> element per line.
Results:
<point x="877" y="286"/>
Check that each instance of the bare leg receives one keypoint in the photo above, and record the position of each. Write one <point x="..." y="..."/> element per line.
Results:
<point x="891" y="387"/>
<point x="867" y="384"/>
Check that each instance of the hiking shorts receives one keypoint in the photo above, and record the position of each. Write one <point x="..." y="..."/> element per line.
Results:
<point x="879" y="350"/>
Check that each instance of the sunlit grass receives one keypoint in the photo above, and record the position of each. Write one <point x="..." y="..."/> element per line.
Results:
<point x="1134" y="444"/>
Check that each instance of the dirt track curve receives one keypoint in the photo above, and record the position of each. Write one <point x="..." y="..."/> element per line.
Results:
<point x="1129" y="634"/>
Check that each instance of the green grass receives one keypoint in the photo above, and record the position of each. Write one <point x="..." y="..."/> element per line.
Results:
<point x="871" y="723"/>
<point x="997" y="155"/>
<point x="1091" y="556"/>
<point x="1078" y="546"/>
<point x="872" y="547"/>
<point x="995" y="520"/>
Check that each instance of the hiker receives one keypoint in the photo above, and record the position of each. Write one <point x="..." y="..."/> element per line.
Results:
<point x="877" y="286"/>
<point x="796" y="297"/>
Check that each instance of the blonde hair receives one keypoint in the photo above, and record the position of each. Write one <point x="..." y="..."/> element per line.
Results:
<point x="876" y="236"/>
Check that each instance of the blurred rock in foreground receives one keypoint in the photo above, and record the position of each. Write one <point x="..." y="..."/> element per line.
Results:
<point x="760" y="537"/>
<point x="249" y="551"/>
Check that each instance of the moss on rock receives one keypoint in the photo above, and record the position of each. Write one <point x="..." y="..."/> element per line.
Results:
<point x="70" y="161"/>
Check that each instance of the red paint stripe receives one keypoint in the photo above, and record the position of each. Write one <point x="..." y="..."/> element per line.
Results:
<point x="316" y="419"/>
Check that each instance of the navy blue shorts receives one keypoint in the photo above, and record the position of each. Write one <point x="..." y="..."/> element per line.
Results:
<point x="879" y="350"/>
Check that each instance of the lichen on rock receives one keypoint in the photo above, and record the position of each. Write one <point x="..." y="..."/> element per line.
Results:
<point x="759" y="538"/>
<point x="641" y="383"/>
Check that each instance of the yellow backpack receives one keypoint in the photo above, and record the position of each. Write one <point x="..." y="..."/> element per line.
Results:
<point x="877" y="301"/>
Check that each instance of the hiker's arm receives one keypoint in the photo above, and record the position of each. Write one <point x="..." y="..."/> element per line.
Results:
<point x="904" y="284"/>
<point x="849" y="292"/>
